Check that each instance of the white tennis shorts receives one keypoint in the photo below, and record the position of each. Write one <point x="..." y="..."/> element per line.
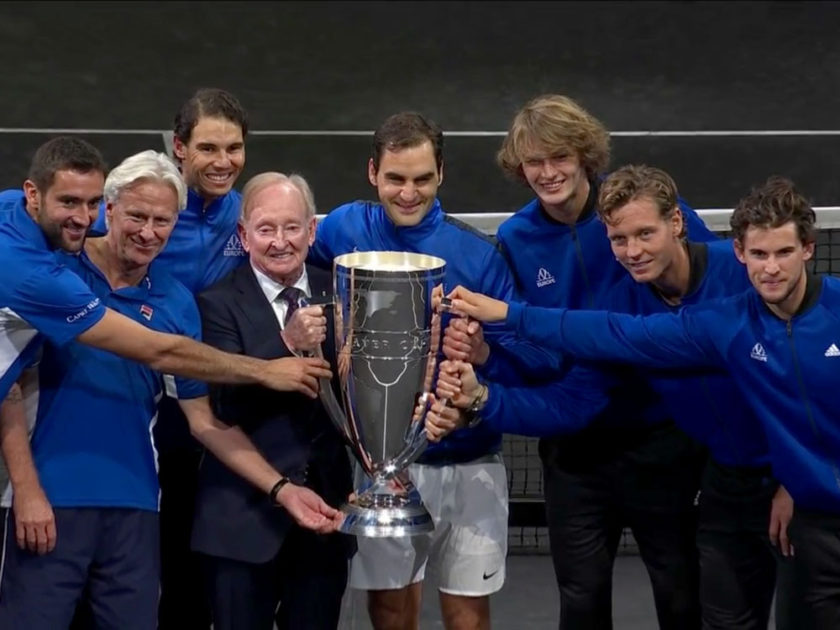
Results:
<point x="467" y="549"/>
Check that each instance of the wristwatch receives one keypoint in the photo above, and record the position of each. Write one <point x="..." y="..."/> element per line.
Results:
<point x="471" y="413"/>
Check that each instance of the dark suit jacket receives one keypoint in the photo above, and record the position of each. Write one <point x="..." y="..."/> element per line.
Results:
<point x="293" y="432"/>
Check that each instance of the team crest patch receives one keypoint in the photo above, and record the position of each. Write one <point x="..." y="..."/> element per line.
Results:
<point x="233" y="247"/>
<point x="146" y="311"/>
<point x="758" y="353"/>
<point x="544" y="277"/>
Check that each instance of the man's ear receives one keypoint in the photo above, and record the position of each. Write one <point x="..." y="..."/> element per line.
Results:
<point x="243" y="237"/>
<point x="371" y="173"/>
<point x="677" y="222"/>
<point x="109" y="214"/>
<point x="440" y="174"/>
<point x="179" y="148"/>
<point x="739" y="250"/>
<point x="808" y="250"/>
<point x="313" y="225"/>
<point x="31" y="195"/>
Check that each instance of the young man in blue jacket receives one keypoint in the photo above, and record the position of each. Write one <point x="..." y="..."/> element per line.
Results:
<point x="608" y="475"/>
<point x="469" y="542"/>
<point x="778" y="340"/>
<point x="739" y="496"/>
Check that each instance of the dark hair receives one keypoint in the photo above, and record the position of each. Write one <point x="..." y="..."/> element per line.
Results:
<point x="773" y="204"/>
<point x="64" y="153"/>
<point x="406" y="130"/>
<point x="632" y="182"/>
<point x="212" y="102"/>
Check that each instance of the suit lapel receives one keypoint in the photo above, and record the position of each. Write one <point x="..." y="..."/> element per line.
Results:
<point x="258" y="312"/>
<point x="320" y="281"/>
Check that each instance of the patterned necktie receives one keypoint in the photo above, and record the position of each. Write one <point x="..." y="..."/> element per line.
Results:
<point x="293" y="297"/>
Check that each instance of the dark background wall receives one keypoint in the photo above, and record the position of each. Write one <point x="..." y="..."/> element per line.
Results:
<point x="638" y="66"/>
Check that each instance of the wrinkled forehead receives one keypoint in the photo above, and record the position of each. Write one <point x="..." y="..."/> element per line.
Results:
<point x="276" y="201"/>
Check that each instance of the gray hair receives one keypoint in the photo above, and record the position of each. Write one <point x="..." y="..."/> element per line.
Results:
<point x="263" y="180"/>
<point x="146" y="165"/>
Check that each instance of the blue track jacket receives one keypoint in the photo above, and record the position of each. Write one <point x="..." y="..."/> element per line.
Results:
<point x="787" y="371"/>
<point x="707" y="405"/>
<point x="573" y="266"/>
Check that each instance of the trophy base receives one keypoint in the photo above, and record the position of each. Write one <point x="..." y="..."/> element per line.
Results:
<point x="382" y="512"/>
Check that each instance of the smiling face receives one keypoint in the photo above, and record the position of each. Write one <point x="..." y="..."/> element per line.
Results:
<point x="558" y="179"/>
<point x="66" y="209"/>
<point x="277" y="232"/>
<point x="407" y="182"/>
<point x="140" y="221"/>
<point x="646" y="243"/>
<point x="213" y="158"/>
<point x="775" y="260"/>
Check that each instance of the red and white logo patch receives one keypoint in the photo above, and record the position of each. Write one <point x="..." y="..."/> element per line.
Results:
<point x="146" y="311"/>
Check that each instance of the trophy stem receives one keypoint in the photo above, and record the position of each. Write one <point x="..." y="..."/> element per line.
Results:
<point x="387" y="508"/>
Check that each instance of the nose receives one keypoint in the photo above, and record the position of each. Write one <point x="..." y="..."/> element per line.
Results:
<point x="633" y="249"/>
<point x="82" y="217"/>
<point x="223" y="159"/>
<point x="408" y="191"/>
<point x="771" y="267"/>
<point x="146" y="232"/>
<point x="547" y="169"/>
<point x="279" y="241"/>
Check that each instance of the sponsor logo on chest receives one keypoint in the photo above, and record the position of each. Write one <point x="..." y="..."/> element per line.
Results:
<point x="758" y="353"/>
<point x="544" y="277"/>
<point x="233" y="247"/>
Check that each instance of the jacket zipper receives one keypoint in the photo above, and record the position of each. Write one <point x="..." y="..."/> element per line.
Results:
<point x="801" y="382"/>
<point x="579" y="251"/>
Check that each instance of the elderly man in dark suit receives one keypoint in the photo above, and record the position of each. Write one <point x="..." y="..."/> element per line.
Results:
<point x="256" y="556"/>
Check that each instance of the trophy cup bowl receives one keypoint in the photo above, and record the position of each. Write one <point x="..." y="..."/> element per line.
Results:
<point x="387" y="336"/>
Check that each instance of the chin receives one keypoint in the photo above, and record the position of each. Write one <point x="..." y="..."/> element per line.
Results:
<point x="72" y="247"/>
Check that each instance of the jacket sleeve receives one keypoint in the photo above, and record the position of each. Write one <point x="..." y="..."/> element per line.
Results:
<point x="219" y="329"/>
<point x="563" y="406"/>
<point x="695" y="227"/>
<point x="692" y="338"/>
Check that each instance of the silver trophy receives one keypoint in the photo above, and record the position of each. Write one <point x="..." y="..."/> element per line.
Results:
<point x="387" y="336"/>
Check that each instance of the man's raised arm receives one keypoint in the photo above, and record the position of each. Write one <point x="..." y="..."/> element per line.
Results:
<point x="175" y="354"/>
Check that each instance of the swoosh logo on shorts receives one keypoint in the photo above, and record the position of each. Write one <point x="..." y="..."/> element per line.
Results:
<point x="487" y="576"/>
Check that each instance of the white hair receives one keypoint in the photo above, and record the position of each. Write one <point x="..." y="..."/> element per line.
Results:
<point x="146" y="166"/>
<point x="263" y="180"/>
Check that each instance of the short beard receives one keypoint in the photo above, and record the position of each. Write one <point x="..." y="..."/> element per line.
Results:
<point x="791" y="290"/>
<point x="52" y="231"/>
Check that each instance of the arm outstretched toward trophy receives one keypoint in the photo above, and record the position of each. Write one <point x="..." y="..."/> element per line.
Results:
<point x="476" y="305"/>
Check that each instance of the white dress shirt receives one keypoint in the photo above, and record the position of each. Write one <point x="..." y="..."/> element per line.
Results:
<point x="272" y="289"/>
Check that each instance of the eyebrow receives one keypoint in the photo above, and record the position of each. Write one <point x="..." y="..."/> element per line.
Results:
<point x="401" y="176"/>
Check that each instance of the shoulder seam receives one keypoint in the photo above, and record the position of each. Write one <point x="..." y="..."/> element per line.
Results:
<point x="492" y="240"/>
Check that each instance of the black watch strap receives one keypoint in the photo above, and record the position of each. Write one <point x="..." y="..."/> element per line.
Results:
<point x="276" y="488"/>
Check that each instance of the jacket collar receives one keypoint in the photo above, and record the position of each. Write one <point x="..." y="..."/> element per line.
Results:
<point x="586" y="214"/>
<point x="698" y="262"/>
<point x="813" y="292"/>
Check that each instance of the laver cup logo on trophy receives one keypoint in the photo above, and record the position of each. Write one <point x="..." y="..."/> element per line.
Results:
<point x="387" y="341"/>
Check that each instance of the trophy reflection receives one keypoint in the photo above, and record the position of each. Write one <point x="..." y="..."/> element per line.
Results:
<point x="387" y="341"/>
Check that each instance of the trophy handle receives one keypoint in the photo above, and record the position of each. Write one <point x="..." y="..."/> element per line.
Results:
<point x="325" y="390"/>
